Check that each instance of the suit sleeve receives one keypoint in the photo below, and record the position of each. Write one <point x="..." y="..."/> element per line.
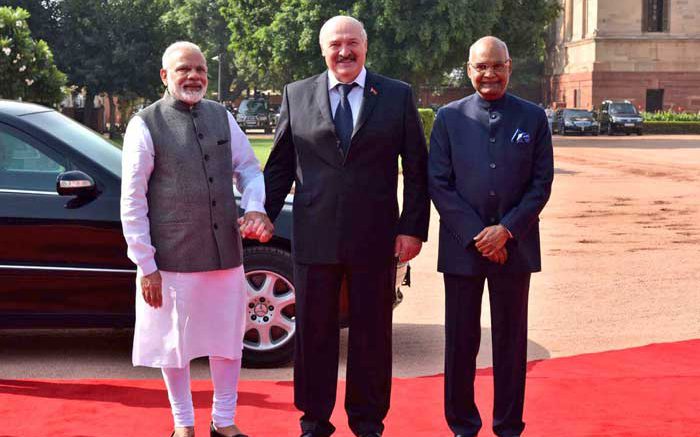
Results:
<point x="520" y="219"/>
<point x="279" y="170"/>
<point x="415" y="215"/>
<point x="458" y="216"/>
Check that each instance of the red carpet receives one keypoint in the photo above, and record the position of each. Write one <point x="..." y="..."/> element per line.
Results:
<point x="649" y="391"/>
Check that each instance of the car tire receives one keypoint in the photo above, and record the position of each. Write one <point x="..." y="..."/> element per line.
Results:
<point x="270" y="307"/>
<point x="610" y="129"/>
<point x="639" y="132"/>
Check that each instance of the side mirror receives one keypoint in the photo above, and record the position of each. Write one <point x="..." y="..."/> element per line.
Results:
<point x="75" y="183"/>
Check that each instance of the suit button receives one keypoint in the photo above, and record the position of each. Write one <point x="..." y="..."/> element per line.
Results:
<point x="213" y="203"/>
<point x="492" y="140"/>
<point x="492" y="165"/>
<point x="206" y="157"/>
<point x="493" y="115"/>
<point x="492" y="193"/>
<point x="493" y="220"/>
<point x="200" y="136"/>
<point x="216" y="226"/>
<point x="195" y="115"/>
<point x="211" y="180"/>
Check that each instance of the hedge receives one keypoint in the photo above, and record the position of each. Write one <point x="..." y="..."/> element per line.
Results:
<point x="670" y="116"/>
<point x="427" y="116"/>
<point x="672" y="127"/>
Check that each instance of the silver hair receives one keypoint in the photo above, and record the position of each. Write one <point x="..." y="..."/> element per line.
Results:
<point x="498" y="41"/>
<point x="178" y="45"/>
<point x="328" y="22"/>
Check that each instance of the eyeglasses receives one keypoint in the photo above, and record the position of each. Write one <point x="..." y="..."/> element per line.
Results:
<point x="499" y="67"/>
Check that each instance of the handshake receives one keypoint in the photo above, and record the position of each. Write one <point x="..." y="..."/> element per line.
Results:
<point x="257" y="226"/>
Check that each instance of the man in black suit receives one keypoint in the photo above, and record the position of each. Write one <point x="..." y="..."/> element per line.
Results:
<point x="490" y="174"/>
<point x="339" y="138"/>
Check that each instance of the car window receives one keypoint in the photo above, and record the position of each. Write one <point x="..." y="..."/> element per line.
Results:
<point x="82" y="139"/>
<point x="577" y="113"/>
<point x="25" y="167"/>
<point x="623" y="108"/>
<point x="252" y="107"/>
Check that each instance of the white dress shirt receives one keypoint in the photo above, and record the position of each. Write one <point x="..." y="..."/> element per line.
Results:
<point x="355" y="96"/>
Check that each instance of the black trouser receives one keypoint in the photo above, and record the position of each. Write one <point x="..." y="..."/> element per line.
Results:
<point x="368" y="387"/>
<point x="508" y="300"/>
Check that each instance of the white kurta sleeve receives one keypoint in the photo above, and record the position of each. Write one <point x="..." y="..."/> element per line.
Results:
<point x="246" y="170"/>
<point x="137" y="165"/>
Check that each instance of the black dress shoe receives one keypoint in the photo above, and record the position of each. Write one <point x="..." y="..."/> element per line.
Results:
<point x="214" y="433"/>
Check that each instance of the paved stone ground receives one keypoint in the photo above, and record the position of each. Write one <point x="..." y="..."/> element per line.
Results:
<point x="620" y="237"/>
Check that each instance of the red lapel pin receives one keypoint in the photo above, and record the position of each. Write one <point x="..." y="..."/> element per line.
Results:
<point x="373" y="91"/>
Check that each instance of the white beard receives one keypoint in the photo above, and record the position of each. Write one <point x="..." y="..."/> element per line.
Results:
<point x="186" y="96"/>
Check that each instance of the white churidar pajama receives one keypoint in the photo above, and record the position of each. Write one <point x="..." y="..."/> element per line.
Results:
<point x="202" y="312"/>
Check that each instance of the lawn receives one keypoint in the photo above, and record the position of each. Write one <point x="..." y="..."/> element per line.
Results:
<point x="261" y="147"/>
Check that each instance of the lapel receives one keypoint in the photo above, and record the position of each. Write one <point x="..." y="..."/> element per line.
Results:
<point x="369" y="101"/>
<point x="333" y="155"/>
<point x="323" y="101"/>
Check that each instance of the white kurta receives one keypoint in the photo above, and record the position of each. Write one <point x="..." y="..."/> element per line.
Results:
<point x="202" y="313"/>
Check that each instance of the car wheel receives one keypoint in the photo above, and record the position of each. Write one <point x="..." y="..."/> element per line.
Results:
<point x="639" y="132"/>
<point x="610" y="129"/>
<point x="270" y="307"/>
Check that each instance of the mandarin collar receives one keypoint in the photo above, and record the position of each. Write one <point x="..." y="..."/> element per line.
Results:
<point x="171" y="101"/>
<point x="491" y="104"/>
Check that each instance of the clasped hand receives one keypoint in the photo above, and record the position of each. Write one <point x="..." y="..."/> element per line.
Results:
<point x="491" y="243"/>
<point x="257" y="226"/>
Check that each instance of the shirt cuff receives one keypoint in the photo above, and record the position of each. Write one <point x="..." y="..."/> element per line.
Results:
<point x="510" y="234"/>
<point x="255" y="206"/>
<point x="147" y="267"/>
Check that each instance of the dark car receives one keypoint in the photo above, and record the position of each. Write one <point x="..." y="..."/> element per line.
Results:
<point x="619" y="117"/>
<point x="63" y="259"/>
<point x="574" y="121"/>
<point x="255" y="114"/>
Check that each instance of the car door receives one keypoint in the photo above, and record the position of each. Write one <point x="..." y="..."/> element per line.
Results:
<point x="62" y="261"/>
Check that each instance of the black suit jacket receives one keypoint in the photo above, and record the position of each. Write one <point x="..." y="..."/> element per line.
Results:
<point x="345" y="207"/>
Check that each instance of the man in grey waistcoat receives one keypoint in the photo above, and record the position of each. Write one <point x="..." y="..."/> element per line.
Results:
<point x="181" y="157"/>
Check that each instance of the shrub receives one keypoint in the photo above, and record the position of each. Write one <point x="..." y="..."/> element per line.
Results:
<point x="670" y="116"/>
<point x="672" y="127"/>
<point x="427" y="116"/>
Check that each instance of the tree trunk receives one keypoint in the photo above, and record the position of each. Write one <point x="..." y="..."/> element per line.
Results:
<point x="89" y="115"/>
<point x="112" y="117"/>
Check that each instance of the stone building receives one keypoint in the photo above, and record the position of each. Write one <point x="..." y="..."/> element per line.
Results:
<point x="645" y="51"/>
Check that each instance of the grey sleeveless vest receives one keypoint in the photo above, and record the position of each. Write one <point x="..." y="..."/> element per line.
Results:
<point x="191" y="205"/>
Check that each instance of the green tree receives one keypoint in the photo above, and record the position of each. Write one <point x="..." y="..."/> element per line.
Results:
<point x="113" y="46"/>
<point x="202" y="22"/>
<point x="522" y="24"/>
<point x="26" y="65"/>
<point x="276" y="41"/>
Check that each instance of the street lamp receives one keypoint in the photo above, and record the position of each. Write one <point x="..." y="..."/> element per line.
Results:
<point x="217" y="58"/>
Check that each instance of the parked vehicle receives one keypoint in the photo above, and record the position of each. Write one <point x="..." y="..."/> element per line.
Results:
<point x="574" y="121"/>
<point x="255" y="113"/>
<point x="619" y="116"/>
<point x="63" y="258"/>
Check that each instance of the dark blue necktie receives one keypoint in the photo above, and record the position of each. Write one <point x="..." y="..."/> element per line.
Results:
<point x="343" y="117"/>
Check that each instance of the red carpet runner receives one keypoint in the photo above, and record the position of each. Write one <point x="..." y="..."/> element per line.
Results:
<point x="650" y="391"/>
